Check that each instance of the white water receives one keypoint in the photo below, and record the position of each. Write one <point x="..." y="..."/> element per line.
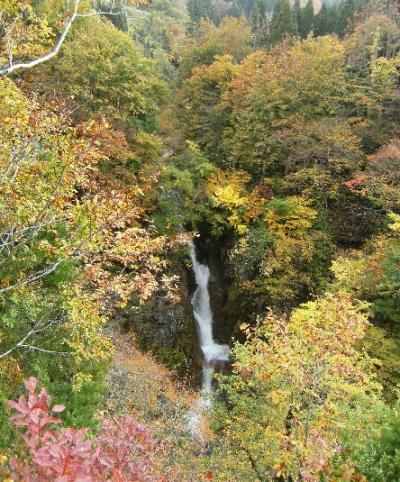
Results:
<point x="212" y="351"/>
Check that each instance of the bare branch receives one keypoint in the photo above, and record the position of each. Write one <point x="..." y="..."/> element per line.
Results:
<point x="38" y="328"/>
<point x="110" y="11"/>
<point x="43" y="350"/>
<point x="32" y="278"/>
<point x="8" y="352"/>
<point x="11" y="67"/>
<point x="20" y="343"/>
<point x="92" y="14"/>
<point x="43" y="58"/>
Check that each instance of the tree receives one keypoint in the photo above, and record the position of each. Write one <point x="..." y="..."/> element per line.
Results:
<point x="36" y="217"/>
<point x="321" y="21"/>
<point x="71" y="242"/>
<point x="240" y="207"/>
<point x="333" y="19"/>
<point x="231" y="37"/>
<point x="299" y="388"/>
<point x="49" y="322"/>
<point x="282" y="23"/>
<point x="163" y="35"/>
<point x="297" y="15"/>
<point x="201" y="10"/>
<point x="203" y="120"/>
<point x="318" y="157"/>
<point x="101" y="75"/>
<point x="380" y="182"/>
<point x="280" y="268"/>
<point x="28" y="35"/>
<point x="346" y="16"/>
<point x="259" y="24"/>
<point x="249" y="5"/>
<point x="378" y="460"/>
<point x="372" y="273"/>
<point x="307" y="19"/>
<point x="275" y="90"/>
<point x="372" y="54"/>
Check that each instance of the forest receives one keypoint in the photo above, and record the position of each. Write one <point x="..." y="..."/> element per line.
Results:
<point x="200" y="240"/>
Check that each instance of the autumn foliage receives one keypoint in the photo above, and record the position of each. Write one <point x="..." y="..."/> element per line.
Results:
<point x="271" y="130"/>
<point x="122" y="451"/>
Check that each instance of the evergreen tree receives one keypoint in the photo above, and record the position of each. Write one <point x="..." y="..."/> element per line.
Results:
<point x="247" y="6"/>
<point x="346" y="16"/>
<point x="194" y="10"/>
<point x="321" y="22"/>
<point x="259" y="24"/>
<point x="307" y="19"/>
<point x="199" y="9"/>
<point x="262" y="11"/>
<point x="235" y="11"/>
<point x="254" y="20"/>
<point x="297" y="15"/>
<point x="333" y="19"/>
<point x="282" y="21"/>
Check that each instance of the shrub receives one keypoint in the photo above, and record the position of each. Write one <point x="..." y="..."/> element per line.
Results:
<point x="122" y="451"/>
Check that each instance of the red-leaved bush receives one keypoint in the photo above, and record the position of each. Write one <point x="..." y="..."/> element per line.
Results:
<point x="122" y="452"/>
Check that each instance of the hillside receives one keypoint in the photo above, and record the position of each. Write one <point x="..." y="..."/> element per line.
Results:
<point x="199" y="241"/>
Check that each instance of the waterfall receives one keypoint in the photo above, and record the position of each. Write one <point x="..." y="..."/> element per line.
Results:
<point x="212" y="351"/>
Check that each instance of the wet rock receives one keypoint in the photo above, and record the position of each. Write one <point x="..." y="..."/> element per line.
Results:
<point x="168" y="329"/>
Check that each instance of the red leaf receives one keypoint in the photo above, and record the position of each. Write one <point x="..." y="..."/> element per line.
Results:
<point x="58" y="408"/>
<point x="31" y="384"/>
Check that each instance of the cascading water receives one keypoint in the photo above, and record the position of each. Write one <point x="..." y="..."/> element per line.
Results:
<point x="212" y="352"/>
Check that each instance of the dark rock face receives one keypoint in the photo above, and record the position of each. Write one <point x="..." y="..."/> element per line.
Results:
<point x="168" y="329"/>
